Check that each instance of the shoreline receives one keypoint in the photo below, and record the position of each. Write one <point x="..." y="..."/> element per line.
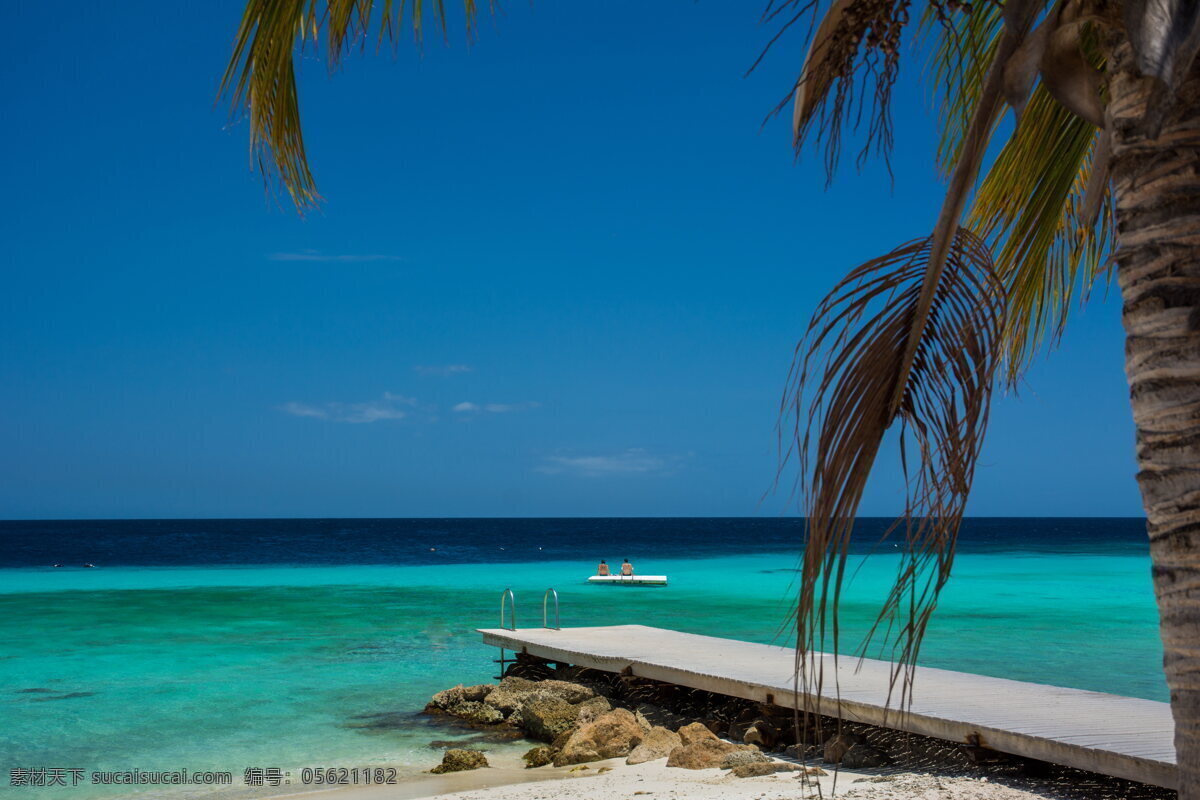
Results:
<point x="505" y="775"/>
<point x="593" y="727"/>
<point x="612" y="779"/>
<point x="621" y="731"/>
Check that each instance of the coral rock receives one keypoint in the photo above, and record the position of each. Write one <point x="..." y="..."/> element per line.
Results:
<point x="591" y="710"/>
<point x="476" y="712"/>
<point x="545" y="718"/>
<point x="613" y="735"/>
<point x="514" y="692"/>
<point x="696" y="732"/>
<point x="538" y="757"/>
<point x="657" y="743"/>
<point x="762" y="733"/>
<point x="760" y="768"/>
<point x="739" y="757"/>
<point x="701" y="754"/>
<point x="460" y="760"/>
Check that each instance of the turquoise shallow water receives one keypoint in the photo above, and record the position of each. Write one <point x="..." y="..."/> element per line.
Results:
<point x="224" y="668"/>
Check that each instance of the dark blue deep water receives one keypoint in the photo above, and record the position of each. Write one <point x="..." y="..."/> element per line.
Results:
<point x="409" y="541"/>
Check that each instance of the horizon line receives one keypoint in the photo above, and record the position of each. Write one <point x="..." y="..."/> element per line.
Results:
<point x="526" y="517"/>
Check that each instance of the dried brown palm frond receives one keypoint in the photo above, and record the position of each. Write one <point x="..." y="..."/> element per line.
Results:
<point x="853" y="59"/>
<point x="847" y="370"/>
<point x="910" y="340"/>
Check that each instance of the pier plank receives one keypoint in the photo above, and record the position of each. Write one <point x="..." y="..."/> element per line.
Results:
<point x="1124" y="737"/>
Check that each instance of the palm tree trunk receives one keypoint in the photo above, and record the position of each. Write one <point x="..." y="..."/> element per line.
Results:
<point x="1156" y="188"/>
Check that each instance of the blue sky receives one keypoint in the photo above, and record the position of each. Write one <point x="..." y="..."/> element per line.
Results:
<point x="558" y="272"/>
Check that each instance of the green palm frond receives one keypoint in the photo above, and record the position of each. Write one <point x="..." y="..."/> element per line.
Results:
<point x="260" y="80"/>
<point x="1047" y="249"/>
<point x="1029" y="209"/>
<point x="958" y="63"/>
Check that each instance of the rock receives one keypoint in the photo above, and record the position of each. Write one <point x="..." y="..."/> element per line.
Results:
<point x="591" y="710"/>
<point x="762" y="733"/>
<point x="760" y="768"/>
<point x="702" y="754"/>
<point x="510" y="694"/>
<point x="477" y="693"/>
<point x="837" y="745"/>
<point x="701" y="749"/>
<point x="476" y="712"/>
<point x="448" y="698"/>
<point x="459" y="761"/>
<point x="742" y="722"/>
<point x="696" y="732"/>
<point x="571" y="692"/>
<point x="542" y="696"/>
<point x="657" y="743"/>
<point x="803" y="752"/>
<point x="863" y="756"/>
<point x="852" y="751"/>
<point x="545" y="717"/>
<point x="560" y="741"/>
<point x="739" y="757"/>
<point x="513" y="692"/>
<point x="538" y="757"/>
<point x="466" y="702"/>
<point x="612" y="735"/>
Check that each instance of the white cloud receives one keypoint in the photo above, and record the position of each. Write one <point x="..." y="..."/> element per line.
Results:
<point x="393" y="406"/>
<point x="504" y="408"/>
<point x="634" y="461"/>
<point x="444" y="370"/>
<point x="390" y="406"/>
<point x="344" y="258"/>
<point x="304" y="410"/>
<point x="494" y="408"/>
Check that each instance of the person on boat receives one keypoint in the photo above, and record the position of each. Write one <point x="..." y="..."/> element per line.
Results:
<point x="602" y="570"/>
<point x="626" y="568"/>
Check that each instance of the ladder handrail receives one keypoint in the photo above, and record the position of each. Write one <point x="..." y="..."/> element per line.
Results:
<point x="508" y="595"/>
<point x="545" y="600"/>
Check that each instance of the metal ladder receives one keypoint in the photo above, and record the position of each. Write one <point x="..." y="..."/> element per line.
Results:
<point x="508" y="599"/>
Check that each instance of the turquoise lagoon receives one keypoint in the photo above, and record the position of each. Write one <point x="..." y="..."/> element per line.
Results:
<point x="229" y="667"/>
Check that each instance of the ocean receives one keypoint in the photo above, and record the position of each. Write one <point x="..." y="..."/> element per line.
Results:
<point x="231" y="644"/>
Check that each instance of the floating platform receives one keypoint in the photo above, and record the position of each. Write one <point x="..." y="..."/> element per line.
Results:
<point x="630" y="580"/>
<point x="1124" y="737"/>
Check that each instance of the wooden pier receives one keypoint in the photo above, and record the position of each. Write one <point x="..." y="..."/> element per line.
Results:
<point x="1120" y="736"/>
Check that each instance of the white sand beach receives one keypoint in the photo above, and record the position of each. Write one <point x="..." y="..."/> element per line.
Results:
<point x="615" y="780"/>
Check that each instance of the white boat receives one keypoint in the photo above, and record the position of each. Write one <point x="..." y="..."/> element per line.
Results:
<point x="630" y="580"/>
